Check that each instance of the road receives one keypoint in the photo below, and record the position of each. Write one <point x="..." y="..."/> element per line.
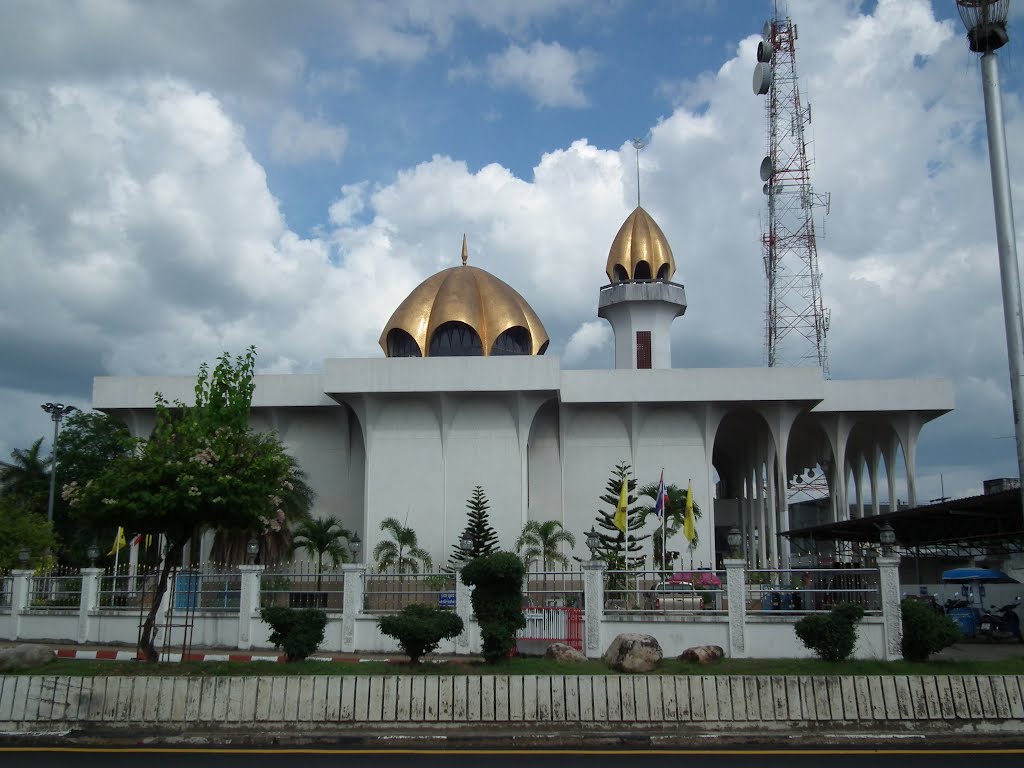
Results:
<point x="901" y="756"/>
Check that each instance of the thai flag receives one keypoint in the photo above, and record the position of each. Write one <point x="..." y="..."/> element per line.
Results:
<point x="661" y="502"/>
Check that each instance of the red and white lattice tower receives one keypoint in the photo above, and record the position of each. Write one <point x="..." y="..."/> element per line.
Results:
<point x="796" y="321"/>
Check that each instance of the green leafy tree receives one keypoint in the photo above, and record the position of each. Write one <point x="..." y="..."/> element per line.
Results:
<point x="497" y="582"/>
<point x="616" y="548"/>
<point x="543" y="541"/>
<point x="21" y="528"/>
<point x="420" y="628"/>
<point x="402" y="552"/>
<point x="230" y="546"/>
<point x="478" y="529"/>
<point x="674" y="516"/>
<point x="833" y="636"/>
<point x="88" y="442"/>
<point x="320" y="537"/>
<point x="296" y="631"/>
<point x="26" y="480"/>
<point x="925" y="631"/>
<point x="202" y="466"/>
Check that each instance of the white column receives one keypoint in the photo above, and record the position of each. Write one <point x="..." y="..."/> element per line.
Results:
<point x="89" y="600"/>
<point x="858" y="483"/>
<point x="593" y="600"/>
<point x="352" y="605"/>
<point x="762" y="521"/>
<point x="873" y="476"/>
<point x="464" y="609"/>
<point x="19" y="599"/>
<point x="248" y="603"/>
<point x="735" y="588"/>
<point x="892" y="615"/>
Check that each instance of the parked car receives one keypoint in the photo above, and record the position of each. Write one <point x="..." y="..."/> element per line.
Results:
<point x="672" y="596"/>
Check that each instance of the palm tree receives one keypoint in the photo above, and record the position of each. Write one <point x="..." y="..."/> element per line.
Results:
<point x="26" y="480"/>
<point x="322" y="537"/>
<point x="403" y="554"/>
<point x="542" y="541"/>
<point x="674" y="515"/>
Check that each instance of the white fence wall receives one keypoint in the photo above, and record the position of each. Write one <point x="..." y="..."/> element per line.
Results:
<point x="354" y="629"/>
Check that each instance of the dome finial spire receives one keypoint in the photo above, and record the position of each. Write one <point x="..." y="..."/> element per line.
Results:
<point x="638" y="144"/>
<point x="465" y="250"/>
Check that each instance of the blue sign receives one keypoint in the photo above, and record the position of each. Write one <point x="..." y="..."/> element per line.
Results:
<point x="446" y="600"/>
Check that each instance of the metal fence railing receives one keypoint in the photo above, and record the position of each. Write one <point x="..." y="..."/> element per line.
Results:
<point x="6" y="591"/>
<point x="553" y="589"/>
<point x="665" y="592"/>
<point x="123" y="590"/>
<point x="302" y="585"/>
<point x="211" y="588"/>
<point x="389" y="592"/>
<point x="60" y="588"/>
<point x="810" y="590"/>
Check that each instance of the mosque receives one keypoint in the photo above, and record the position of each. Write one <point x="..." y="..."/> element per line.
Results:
<point x="465" y="396"/>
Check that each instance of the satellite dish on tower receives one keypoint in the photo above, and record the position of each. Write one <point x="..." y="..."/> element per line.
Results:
<point x="765" y="51"/>
<point x="762" y="78"/>
<point x="766" y="31"/>
<point x="767" y="169"/>
<point x="765" y="188"/>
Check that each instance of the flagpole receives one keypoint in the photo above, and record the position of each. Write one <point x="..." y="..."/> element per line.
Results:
<point x="664" y="516"/>
<point x="689" y="502"/>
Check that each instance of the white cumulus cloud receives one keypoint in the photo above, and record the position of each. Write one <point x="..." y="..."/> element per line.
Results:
<point x="548" y="73"/>
<point x="294" y="139"/>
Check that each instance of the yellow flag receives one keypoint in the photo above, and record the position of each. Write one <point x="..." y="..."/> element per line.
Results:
<point x="119" y="541"/>
<point x="688" y="530"/>
<point x="620" y="511"/>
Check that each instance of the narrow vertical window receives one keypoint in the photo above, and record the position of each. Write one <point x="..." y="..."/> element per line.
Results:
<point x="643" y="349"/>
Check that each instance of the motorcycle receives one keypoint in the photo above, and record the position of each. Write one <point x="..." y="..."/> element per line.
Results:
<point x="1001" y="624"/>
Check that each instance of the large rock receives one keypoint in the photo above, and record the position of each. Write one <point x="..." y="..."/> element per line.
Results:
<point x="703" y="654"/>
<point x="24" y="656"/>
<point x="633" y="653"/>
<point x="563" y="652"/>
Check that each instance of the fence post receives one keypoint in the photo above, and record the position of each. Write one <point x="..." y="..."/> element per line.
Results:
<point x="89" y="600"/>
<point x="248" y="603"/>
<point x="352" y="604"/>
<point x="593" y="604"/>
<point x="735" y="590"/>
<point x="892" y="614"/>
<point x="463" y="609"/>
<point x="19" y="599"/>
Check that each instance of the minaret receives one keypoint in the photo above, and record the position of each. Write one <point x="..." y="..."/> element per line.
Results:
<point x="641" y="302"/>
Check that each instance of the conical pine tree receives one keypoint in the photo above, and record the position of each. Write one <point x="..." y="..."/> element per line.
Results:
<point x="478" y="528"/>
<point x="618" y="548"/>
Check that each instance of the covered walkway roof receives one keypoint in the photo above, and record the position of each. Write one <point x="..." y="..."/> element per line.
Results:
<point x="989" y="524"/>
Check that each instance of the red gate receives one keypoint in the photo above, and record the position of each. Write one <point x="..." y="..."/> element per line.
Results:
<point x="550" y="624"/>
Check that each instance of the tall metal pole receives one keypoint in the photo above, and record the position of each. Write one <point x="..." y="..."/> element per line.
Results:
<point x="53" y="468"/>
<point x="1006" y="241"/>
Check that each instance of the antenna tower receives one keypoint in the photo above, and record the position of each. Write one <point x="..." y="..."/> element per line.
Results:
<point x="796" y="320"/>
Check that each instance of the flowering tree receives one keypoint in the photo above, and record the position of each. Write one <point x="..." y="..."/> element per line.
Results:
<point x="202" y="466"/>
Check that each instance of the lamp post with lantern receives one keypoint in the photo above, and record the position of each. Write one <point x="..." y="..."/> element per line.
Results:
<point x="985" y="21"/>
<point x="57" y="412"/>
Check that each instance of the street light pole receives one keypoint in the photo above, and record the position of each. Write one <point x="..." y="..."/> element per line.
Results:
<point x="985" y="21"/>
<point x="57" y="412"/>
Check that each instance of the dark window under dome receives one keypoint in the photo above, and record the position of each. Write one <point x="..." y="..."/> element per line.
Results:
<point x="401" y="344"/>
<point x="455" y="339"/>
<point x="514" y="341"/>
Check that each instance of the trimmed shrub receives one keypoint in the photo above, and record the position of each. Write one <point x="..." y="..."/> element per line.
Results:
<point x="297" y="631"/>
<point x="924" y="631"/>
<point x="497" y="582"/>
<point x="419" y="628"/>
<point x="834" y="636"/>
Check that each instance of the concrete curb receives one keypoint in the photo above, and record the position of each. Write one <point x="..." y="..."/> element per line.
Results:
<point x="538" y="705"/>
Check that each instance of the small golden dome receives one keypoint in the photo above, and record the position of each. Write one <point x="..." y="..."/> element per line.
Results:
<point x="640" y="251"/>
<point x="466" y="296"/>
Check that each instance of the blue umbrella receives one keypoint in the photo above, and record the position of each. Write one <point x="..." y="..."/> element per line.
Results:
<point x="972" y="575"/>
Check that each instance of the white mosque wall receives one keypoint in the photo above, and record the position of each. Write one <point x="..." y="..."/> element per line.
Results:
<point x="544" y="467"/>
<point x="404" y="472"/>
<point x="483" y="449"/>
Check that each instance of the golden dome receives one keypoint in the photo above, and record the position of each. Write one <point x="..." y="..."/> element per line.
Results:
<point x="472" y="297"/>
<point x="640" y="251"/>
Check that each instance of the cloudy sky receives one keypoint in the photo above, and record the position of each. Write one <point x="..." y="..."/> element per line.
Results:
<point x="183" y="178"/>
